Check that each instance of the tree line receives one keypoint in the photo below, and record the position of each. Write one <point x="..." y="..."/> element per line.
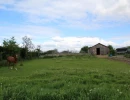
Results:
<point x="27" y="51"/>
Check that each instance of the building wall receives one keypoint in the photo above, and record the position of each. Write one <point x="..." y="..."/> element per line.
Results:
<point x="104" y="50"/>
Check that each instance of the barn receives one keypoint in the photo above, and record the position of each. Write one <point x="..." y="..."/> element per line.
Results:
<point x="98" y="49"/>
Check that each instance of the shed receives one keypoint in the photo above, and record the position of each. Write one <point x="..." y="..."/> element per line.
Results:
<point x="98" y="49"/>
<point x="123" y="50"/>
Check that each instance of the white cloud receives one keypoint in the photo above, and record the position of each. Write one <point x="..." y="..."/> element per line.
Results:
<point x="66" y="43"/>
<point x="73" y="12"/>
<point x="7" y="2"/>
<point x="76" y="43"/>
<point x="126" y="37"/>
<point x="36" y="33"/>
<point x="73" y="43"/>
<point x="22" y="30"/>
<point x="126" y="43"/>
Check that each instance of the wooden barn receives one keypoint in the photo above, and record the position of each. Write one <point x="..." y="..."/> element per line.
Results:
<point x="98" y="49"/>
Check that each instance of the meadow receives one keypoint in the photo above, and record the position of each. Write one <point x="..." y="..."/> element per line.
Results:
<point x="66" y="78"/>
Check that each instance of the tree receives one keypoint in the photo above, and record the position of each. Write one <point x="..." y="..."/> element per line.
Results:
<point x="51" y="52"/>
<point x="27" y="43"/>
<point x="128" y="49"/>
<point x="111" y="50"/>
<point x="27" y="46"/>
<point x="84" y="49"/>
<point x="38" y="50"/>
<point x="1" y="52"/>
<point x="23" y="53"/>
<point x="66" y="52"/>
<point x="11" y="46"/>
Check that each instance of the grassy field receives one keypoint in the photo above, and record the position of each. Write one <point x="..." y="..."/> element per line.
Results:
<point x="66" y="78"/>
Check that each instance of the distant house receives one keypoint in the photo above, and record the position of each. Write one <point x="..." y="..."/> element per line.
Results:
<point x="98" y="49"/>
<point x="123" y="50"/>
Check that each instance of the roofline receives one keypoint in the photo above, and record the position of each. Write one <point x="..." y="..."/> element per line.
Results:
<point x="122" y="48"/>
<point x="100" y="44"/>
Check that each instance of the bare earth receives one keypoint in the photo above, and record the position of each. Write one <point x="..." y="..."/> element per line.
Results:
<point x="117" y="58"/>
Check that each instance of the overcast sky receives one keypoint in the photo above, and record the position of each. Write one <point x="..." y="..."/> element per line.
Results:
<point x="66" y="24"/>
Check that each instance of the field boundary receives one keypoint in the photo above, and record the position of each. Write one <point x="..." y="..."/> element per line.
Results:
<point x="116" y="58"/>
<point x="120" y="58"/>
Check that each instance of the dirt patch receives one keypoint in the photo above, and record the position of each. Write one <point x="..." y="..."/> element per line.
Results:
<point x="120" y="58"/>
<point x="116" y="58"/>
<point x="102" y="56"/>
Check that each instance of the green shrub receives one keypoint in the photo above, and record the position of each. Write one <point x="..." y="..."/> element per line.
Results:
<point x="3" y="63"/>
<point x="127" y="55"/>
<point x="50" y="56"/>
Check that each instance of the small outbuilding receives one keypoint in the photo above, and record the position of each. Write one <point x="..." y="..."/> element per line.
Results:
<point x="123" y="50"/>
<point x="98" y="49"/>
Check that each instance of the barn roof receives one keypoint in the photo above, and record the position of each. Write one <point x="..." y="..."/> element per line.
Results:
<point x="99" y="44"/>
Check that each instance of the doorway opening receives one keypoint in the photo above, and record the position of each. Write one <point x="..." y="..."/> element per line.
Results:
<point x="98" y="51"/>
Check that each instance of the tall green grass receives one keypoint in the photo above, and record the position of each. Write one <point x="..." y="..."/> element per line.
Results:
<point x="66" y="78"/>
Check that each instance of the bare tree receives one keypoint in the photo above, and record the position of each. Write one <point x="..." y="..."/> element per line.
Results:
<point x="38" y="47"/>
<point x="27" y="43"/>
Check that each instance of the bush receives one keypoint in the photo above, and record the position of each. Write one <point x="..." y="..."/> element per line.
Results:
<point x="3" y="63"/>
<point x="1" y="56"/>
<point x="127" y="55"/>
<point x="51" y="56"/>
<point x="112" y="51"/>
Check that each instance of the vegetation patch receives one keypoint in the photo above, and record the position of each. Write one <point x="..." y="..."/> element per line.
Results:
<point x="72" y="78"/>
